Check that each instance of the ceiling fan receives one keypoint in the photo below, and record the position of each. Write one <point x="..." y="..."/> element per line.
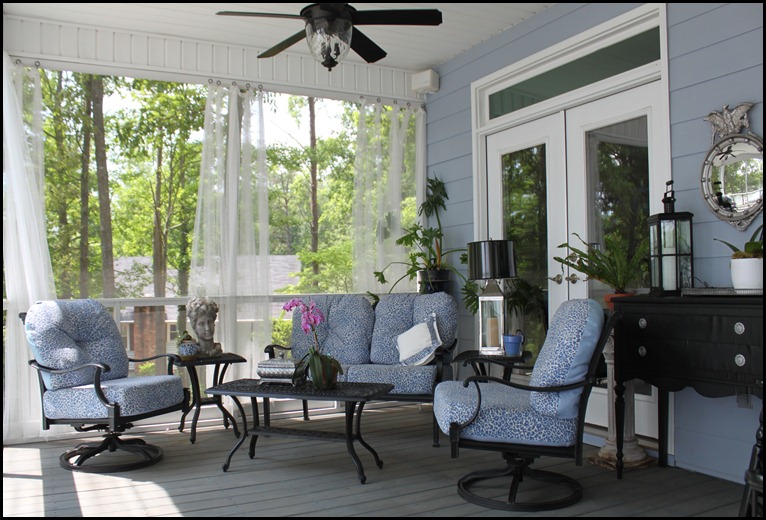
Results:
<point x="331" y="29"/>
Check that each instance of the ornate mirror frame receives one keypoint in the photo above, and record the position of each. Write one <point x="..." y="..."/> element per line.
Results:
<point x="732" y="173"/>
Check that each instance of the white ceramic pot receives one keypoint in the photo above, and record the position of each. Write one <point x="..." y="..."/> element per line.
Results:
<point x="747" y="273"/>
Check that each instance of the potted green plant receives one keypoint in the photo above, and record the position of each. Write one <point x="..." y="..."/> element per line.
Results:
<point x="613" y="266"/>
<point x="428" y="260"/>
<point x="747" y="263"/>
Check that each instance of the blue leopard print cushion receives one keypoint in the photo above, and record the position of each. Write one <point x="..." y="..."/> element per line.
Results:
<point x="346" y="332"/>
<point x="396" y="313"/>
<point x="69" y="333"/>
<point x="565" y="356"/>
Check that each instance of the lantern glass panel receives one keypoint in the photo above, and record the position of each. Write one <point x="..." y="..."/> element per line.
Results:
<point x="684" y="237"/>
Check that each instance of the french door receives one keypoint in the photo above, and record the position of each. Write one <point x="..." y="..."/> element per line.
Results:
<point x="594" y="170"/>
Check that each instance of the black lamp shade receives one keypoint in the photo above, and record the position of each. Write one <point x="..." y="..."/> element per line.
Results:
<point x="491" y="260"/>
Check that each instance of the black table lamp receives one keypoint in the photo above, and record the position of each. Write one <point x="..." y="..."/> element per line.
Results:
<point x="491" y="260"/>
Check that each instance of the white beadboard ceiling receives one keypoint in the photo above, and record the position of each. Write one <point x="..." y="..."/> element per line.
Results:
<point x="409" y="48"/>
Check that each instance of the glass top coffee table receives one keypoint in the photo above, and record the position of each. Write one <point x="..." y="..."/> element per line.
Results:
<point x="353" y="395"/>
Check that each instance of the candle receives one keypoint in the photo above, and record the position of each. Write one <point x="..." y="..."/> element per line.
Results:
<point x="493" y="333"/>
<point x="669" y="273"/>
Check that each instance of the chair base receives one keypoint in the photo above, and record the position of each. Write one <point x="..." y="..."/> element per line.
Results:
<point x="518" y="470"/>
<point x="140" y="455"/>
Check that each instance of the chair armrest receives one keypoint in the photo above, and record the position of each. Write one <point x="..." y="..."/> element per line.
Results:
<point x="172" y="358"/>
<point x="270" y="350"/>
<point x="100" y="367"/>
<point x="442" y="359"/>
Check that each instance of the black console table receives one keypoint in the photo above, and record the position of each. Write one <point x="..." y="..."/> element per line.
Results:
<point x="713" y="344"/>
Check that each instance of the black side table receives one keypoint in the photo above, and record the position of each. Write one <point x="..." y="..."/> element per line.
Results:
<point x="479" y="361"/>
<point x="221" y="363"/>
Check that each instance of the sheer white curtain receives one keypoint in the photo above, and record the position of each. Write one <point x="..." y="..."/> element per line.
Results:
<point x="28" y="271"/>
<point x="230" y="249"/>
<point x="385" y="135"/>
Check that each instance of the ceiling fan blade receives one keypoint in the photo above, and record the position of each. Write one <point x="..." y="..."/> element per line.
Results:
<point x="283" y="45"/>
<point x="365" y="47"/>
<point x="398" y="17"/>
<point x="262" y="15"/>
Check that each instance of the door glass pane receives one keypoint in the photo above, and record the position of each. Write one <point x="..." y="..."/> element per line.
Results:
<point x="525" y="222"/>
<point x="618" y="190"/>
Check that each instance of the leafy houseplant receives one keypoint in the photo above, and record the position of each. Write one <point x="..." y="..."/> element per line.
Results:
<point x="613" y="266"/>
<point x="747" y="263"/>
<point x="753" y="248"/>
<point x="427" y="261"/>
<point x="322" y="368"/>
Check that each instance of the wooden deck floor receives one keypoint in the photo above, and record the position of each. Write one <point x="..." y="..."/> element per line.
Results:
<point x="298" y="477"/>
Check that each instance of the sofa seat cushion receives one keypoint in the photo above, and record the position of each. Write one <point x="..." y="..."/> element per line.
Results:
<point x="135" y="395"/>
<point x="406" y="379"/>
<point x="396" y="313"/>
<point x="346" y="332"/>
<point x="506" y="415"/>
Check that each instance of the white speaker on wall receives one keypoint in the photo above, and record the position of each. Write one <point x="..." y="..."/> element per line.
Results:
<point x="424" y="82"/>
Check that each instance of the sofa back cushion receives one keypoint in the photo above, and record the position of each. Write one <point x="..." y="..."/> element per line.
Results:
<point x="397" y="313"/>
<point x="565" y="356"/>
<point x="345" y="333"/>
<point x="69" y="333"/>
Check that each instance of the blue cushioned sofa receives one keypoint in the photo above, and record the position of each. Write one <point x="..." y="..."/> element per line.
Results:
<point x="364" y="338"/>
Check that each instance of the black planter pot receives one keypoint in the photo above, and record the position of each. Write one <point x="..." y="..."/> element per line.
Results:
<point x="433" y="280"/>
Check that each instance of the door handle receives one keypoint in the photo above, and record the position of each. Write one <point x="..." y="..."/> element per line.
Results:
<point x="558" y="278"/>
<point x="572" y="278"/>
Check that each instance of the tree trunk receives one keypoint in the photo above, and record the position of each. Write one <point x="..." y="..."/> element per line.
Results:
<point x="85" y="189"/>
<point x="159" y="262"/>
<point x="104" y="201"/>
<point x="66" y="276"/>
<point x="313" y="165"/>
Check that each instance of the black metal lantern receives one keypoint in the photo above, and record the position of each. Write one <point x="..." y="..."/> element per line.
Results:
<point x="491" y="260"/>
<point x="670" y="249"/>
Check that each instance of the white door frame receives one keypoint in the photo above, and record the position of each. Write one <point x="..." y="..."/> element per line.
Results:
<point x="619" y="28"/>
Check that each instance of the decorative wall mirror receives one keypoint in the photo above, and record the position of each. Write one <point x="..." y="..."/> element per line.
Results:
<point x="732" y="174"/>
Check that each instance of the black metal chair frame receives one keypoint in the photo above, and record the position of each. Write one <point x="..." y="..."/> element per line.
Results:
<point x="519" y="457"/>
<point x="114" y="424"/>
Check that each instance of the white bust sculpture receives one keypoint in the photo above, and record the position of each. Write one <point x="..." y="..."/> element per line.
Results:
<point x="202" y="314"/>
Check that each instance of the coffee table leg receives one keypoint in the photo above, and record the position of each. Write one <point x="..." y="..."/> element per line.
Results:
<point x="350" y="408"/>
<point x="242" y="438"/>
<point x="361" y="440"/>
<point x="254" y="438"/>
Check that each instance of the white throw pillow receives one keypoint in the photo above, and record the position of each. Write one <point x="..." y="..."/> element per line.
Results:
<point x="417" y="345"/>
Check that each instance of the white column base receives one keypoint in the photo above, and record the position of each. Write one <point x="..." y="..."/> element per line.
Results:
<point x="633" y="455"/>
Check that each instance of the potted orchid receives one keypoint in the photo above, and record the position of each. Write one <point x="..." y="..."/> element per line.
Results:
<point x="322" y="368"/>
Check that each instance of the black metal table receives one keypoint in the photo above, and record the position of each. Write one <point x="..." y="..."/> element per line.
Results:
<point x="353" y="395"/>
<point x="221" y="363"/>
<point x="478" y="360"/>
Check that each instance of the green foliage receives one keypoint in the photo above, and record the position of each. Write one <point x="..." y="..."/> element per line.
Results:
<point x="616" y="266"/>
<point x="147" y="369"/>
<point x="281" y="331"/>
<point x="753" y="248"/>
<point x="426" y="244"/>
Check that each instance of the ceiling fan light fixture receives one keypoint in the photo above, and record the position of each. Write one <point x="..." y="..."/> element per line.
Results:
<point x="329" y="39"/>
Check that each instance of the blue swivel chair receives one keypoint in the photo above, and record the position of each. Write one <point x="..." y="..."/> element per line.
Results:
<point x="524" y="422"/>
<point x="82" y="367"/>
